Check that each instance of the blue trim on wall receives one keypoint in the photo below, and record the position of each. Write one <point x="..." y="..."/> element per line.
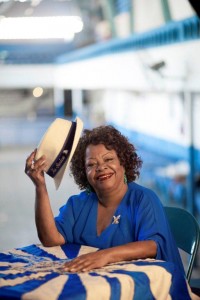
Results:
<point x="122" y="6"/>
<point x="59" y="111"/>
<point x="34" y="53"/>
<point x="171" y="33"/>
<point x="167" y="149"/>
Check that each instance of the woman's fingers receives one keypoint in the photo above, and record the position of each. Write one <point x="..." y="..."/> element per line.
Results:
<point x="29" y="162"/>
<point x="79" y="267"/>
<point x="35" y="168"/>
<point x="38" y="165"/>
<point x="86" y="262"/>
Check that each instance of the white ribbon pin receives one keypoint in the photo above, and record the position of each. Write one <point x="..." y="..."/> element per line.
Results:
<point x="116" y="219"/>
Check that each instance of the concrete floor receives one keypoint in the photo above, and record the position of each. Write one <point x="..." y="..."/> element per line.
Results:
<point x="17" y="227"/>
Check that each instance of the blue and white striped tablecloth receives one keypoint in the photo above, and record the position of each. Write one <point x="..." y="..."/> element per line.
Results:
<point x="35" y="272"/>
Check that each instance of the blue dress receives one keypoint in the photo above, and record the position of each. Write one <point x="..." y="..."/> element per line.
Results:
<point x="140" y="217"/>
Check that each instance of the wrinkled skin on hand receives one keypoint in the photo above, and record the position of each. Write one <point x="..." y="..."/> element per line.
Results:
<point x="87" y="262"/>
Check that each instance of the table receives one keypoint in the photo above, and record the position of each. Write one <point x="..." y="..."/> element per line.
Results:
<point x="35" y="272"/>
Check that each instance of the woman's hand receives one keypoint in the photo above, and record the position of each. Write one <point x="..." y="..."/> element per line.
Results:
<point x="87" y="262"/>
<point x="35" y="169"/>
<point x="101" y="258"/>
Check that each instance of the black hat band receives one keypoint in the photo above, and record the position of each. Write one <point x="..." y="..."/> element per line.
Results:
<point x="64" y="153"/>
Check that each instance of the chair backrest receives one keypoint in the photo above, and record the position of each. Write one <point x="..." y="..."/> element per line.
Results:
<point x="185" y="230"/>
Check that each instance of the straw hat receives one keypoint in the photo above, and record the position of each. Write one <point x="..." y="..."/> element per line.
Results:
<point x="58" y="145"/>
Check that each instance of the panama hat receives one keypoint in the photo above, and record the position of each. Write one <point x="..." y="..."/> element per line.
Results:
<point x="58" y="145"/>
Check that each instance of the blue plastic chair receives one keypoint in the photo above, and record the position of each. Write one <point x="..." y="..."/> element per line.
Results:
<point x="185" y="230"/>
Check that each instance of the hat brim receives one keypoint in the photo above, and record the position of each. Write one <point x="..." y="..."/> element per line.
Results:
<point x="59" y="176"/>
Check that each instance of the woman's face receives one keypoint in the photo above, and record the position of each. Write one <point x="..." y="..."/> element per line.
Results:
<point x="103" y="169"/>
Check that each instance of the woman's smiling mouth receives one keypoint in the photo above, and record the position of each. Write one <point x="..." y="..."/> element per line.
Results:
<point x="104" y="176"/>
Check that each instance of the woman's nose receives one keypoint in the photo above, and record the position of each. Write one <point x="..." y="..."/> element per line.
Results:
<point x="101" y="166"/>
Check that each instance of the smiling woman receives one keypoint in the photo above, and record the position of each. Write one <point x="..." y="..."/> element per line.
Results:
<point x="124" y="220"/>
<point x="113" y="140"/>
<point x="105" y="174"/>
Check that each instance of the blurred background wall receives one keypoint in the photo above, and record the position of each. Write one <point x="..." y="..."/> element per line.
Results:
<point x="131" y="63"/>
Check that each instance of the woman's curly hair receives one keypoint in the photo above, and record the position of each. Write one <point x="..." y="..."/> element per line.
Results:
<point x="112" y="139"/>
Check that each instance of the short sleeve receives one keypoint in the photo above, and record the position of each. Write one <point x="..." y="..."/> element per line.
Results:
<point x="151" y="224"/>
<point x="65" y="221"/>
<point x="150" y="219"/>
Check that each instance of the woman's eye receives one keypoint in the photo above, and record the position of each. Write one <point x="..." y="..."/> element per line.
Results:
<point x="109" y="159"/>
<point x="90" y="165"/>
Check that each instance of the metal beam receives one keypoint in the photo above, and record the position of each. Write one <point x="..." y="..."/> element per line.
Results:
<point x="132" y="15"/>
<point x="109" y="14"/>
<point x="189" y="97"/>
<point x="166" y="10"/>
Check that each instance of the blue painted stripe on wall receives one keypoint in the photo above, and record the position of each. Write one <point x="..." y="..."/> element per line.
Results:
<point x="171" y="33"/>
<point x="160" y="146"/>
<point x="122" y="6"/>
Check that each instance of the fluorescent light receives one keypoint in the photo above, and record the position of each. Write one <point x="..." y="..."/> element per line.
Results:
<point x="62" y="27"/>
<point x="18" y="0"/>
<point x="9" y="0"/>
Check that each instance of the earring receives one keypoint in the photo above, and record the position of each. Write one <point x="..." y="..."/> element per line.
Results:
<point x="88" y="189"/>
<point x="125" y="179"/>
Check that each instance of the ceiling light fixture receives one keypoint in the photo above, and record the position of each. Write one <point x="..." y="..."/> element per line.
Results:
<point x="38" y="92"/>
<point x="15" y="0"/>
<point x="62" y="27"/>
